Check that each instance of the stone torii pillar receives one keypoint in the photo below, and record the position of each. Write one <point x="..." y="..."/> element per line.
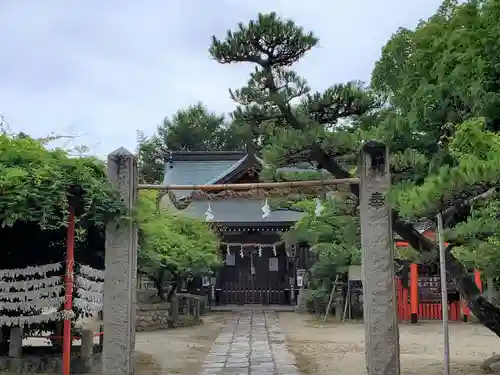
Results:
<point x="379" y="292"/>
<point x="121" y="271"/>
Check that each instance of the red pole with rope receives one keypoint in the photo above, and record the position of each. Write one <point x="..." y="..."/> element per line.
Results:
<point x="68" y="280"/>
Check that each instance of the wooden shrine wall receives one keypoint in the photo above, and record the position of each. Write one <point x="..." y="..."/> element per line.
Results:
<point x="251" y="276"/>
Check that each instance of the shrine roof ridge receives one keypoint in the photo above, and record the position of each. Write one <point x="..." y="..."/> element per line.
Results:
<point x="205" y="155"/>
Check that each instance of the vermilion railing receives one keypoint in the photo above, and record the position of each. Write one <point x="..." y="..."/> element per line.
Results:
<point x="411" y="309"/>
<point x="425" y="310"/>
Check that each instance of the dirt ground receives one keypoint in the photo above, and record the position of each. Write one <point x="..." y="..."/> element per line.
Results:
<point x="176" y="351"/>
<point x="335" y="348"/>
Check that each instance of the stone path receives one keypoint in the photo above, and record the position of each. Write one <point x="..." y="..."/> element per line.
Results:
<point x="250" y="343"/>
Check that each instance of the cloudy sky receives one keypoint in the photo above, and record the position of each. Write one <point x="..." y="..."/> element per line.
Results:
<point x="101" y="70"/>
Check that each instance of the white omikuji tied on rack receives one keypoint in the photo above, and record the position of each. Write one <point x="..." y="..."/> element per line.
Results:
<point x="25" y="285"/>
<point x="53" y="291"/>
<point x="89" y="308"/>
<point x="34" y="304"/>
<point x="92" y="286"/>
<point x="319" y="207"/>
<point x="30" y="271"/>
<point x="91" y="273"/>
<point x="266" y="210"/>
<point x="16" y="321"/>
<point x="94" y="297"/>
<point x="209" y="216"/>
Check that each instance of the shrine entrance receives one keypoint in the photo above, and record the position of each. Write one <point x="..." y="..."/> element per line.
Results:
<point x="254" y="275"/>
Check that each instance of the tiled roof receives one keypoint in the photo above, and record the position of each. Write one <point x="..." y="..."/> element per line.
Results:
<point x="240" y="210"/>
<point x="228" y="170"/>
<point x="184" y="171"/>
<point x="204" y="168"/>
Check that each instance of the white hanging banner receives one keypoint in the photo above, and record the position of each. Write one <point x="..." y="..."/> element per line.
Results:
<point x="230" y="260"/>
<point x="91" y="273"/>
<point x="30" y="271"/>
<point x="16" y="286"/>
<point x="273" y="264"/>
<point x="92" y="286"/>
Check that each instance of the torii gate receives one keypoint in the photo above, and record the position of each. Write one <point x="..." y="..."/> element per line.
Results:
<point x="380" y="304"/>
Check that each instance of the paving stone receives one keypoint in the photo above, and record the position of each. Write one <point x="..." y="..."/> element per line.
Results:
<point x="250" y="343"/>
<point x="213" y="366"/>
<point x="235" y="370"/>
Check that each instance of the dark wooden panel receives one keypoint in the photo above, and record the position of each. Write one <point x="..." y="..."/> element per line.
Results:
<point x="250" y="280"/>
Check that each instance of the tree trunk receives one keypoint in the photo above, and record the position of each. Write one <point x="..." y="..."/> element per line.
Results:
<point x="158" y="280"/>
<point x="173" y="288"/>
<point x="487" y="313"/>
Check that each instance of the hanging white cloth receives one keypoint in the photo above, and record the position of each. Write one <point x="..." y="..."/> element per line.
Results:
<point x="319" y="207"/>
<point x="266" y="210"/>
<point x="209" y="216"/>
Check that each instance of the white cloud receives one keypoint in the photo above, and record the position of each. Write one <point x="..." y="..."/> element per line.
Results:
<point x="105" y="69"/>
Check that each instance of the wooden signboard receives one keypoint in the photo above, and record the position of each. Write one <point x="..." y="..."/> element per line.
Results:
<point x="429" y="288"/>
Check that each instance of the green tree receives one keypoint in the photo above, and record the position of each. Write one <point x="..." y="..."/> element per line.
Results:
<point x="173" y="247"/>
<point x="37" y="186"/>
<point x="198" y="129"/>
<point x="311" y="129"/>
<point x="333" y="235"/>
<point x="191" y="129"/>
<point x="474" y="176"/>
<point x="443" y="72"/>
<point x="441" y="81"/>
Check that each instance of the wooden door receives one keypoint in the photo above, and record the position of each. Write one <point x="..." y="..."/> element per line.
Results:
<point x="270" y="276"/>
<point x="255" y="279"/>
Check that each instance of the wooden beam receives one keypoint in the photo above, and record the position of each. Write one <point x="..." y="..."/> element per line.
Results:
<point x="252" y="186"/>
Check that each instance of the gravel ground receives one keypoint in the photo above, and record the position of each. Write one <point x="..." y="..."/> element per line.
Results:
<point x="170" y="351"/>
<point x="177" y="351"/>
<point x="335" y="348"/>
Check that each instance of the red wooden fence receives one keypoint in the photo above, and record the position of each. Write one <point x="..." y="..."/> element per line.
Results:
<point x="426" y="310"/>
<point x="411" y="309"/>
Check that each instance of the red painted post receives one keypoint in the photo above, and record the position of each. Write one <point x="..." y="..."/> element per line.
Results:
<point x="465" y="311"/>
<point x="453" y="311"/>
<point x="406" y="314"/>
<point x="414" y="293"/>
<point x="398" y="297"/>
<point x="68" y="303"/>
<point x="435" y="312"/>
<point x="477" y="280"/>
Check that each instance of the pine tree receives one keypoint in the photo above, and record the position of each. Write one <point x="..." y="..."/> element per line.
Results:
<point x="321" y="127"/>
